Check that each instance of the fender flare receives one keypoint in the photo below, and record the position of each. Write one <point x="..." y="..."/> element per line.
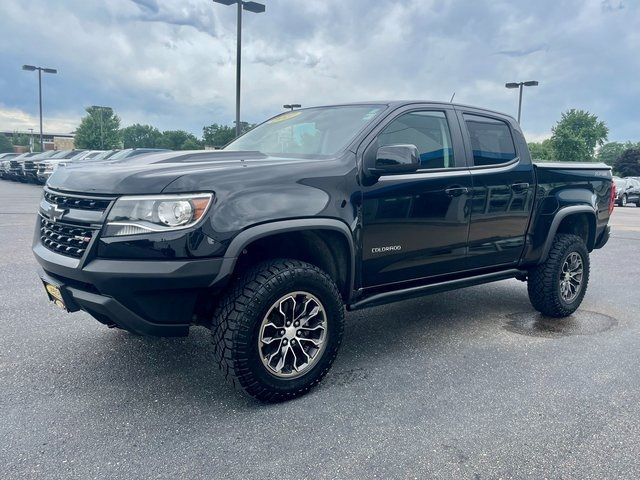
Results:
<point x="251" y="234"/>
<point x="557" y="219"/>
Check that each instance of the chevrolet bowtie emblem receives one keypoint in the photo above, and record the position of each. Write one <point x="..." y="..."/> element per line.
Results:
<point x="56" y="213"/>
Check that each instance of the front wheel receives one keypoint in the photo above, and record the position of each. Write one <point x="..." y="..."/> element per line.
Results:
<point x="557" y="286"/>
<point x="278" y="330"/>
<point x="623" y="200"/>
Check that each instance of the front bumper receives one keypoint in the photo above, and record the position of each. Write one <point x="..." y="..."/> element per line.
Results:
<point x="144" y="296"/>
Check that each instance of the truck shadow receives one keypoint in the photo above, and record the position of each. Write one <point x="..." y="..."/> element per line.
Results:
<point x="183" y="371"/>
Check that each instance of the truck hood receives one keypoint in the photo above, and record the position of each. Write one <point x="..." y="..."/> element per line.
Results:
<point x="152" y="173"/>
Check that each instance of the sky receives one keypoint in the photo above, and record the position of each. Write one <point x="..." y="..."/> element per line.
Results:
<point x="171" y="63"/>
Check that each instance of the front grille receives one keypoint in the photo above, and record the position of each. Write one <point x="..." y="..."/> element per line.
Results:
<point x="71" y="240"/>
<point x="64" y="201"/>
<point x="70" y="232"/>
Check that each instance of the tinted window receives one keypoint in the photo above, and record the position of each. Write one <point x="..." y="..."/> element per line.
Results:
<point x="491" y="140"/>
<point x="428" y="131"/>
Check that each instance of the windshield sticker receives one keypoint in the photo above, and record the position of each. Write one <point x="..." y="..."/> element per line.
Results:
<point x="370" y="114"/>
<point x="284" y="116"/>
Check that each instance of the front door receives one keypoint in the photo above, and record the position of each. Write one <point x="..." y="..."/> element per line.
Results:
<point x="415" y="225"/>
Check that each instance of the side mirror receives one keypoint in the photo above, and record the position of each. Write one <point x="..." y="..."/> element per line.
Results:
<point x="393" y="159"/>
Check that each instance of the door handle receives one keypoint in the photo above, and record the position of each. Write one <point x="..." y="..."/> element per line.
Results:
<point x="520" y="187"/>
<point x="456" y="191"/>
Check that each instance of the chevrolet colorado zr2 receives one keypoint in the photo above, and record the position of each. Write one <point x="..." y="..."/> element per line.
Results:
<point x="316" y="211"/>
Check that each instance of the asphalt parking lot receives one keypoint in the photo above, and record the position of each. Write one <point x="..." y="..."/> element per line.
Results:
<point x="470" y="384"/>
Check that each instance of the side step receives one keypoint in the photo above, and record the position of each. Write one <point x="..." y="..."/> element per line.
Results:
<point x="419" y="291"/>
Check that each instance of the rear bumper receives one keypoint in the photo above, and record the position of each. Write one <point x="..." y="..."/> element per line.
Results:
<point x="144" y="296"/>
<point x="603" y="238"/>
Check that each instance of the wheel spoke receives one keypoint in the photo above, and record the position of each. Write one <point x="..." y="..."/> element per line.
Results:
<point x="283" y="357"/>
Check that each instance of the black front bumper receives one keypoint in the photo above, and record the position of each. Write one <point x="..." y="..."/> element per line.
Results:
<point x="149" y="297"/>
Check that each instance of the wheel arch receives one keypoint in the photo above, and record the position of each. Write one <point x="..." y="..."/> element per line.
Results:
<point x="337" y="258"/>
<point x="576" y="219"/>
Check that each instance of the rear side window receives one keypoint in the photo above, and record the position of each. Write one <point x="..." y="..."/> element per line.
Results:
<point x="491" y="140"/>
<point x="428" y="131"/>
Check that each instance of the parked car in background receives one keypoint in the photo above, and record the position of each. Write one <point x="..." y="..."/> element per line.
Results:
<point x="29" y="168"/>
<point x="14" y="170"/>
<point x="48" y="166"/>
<point x="4" y="160"/>
<point x="102" y="155"/>
<point x="627" y="191"/>
<point x="134" y="152"/>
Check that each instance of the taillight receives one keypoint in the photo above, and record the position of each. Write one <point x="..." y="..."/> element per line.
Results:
<point x="612" y="198"/>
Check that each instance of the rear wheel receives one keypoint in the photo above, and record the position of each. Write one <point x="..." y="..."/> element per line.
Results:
<point x="278" y="330"/>
<point x="557" y="286"/>
<point x="623" y="200"/>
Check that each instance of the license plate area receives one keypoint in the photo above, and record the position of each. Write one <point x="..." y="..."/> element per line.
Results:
<point x="55" y="295"/>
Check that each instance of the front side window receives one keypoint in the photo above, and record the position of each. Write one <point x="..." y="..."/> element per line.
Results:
<point x="428" y="131"/>
<point x="310" y="132"/>
<point x="491" y="140"/>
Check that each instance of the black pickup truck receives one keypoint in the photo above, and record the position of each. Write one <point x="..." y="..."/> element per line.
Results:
<point x="268" y="240"/>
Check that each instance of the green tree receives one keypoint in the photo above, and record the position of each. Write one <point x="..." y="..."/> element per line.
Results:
<point x="218" y="135"/>
<point x="610" y="152"/>
<point x="140" y="136"/>
<point x="541" y="151"/>
<point x="99" y="129"/>
<point x="192" y="144"/>
<point x="576" y="136"/>
<point x="5" y="144"/>
<point x="628" y="165"/>
<point x="21" y="139"/>
<point x="178" y="139"/>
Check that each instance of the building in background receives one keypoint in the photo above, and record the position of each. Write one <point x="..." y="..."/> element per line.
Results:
<point x="52" y="141"/>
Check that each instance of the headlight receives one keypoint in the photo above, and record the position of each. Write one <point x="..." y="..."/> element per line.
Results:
<point x="162" y="213"/>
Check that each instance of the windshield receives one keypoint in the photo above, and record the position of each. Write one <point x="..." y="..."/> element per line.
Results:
<point x="61" y="154"/>
<point x="121" y="154"/>
<point x="313" y="131"/>
<point x="103" y="155"/>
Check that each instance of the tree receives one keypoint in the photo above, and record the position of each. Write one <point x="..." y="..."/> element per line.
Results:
<point x="5" y="144"/>
<point x="21" y="139"/>
<point x="541" y="151"/>
<point x="576" y="136"/>
<point x="140" y="136"/>
<point x="628" y="165"/>
<point x="99" y="129"/>
<point x="179" y="140"/>
<point x="218" y="136"/>
<point x="192" y="144"/>
<point x="610" y="152"/>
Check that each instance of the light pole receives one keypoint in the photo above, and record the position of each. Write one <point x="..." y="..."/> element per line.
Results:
<point x="31" y="140"/>
<point x="291" y="106"/>
<point x="254" y="7"/>
<point x="101" y="122"/>
<point x="520" y="85"/>
<point x="31" y="68"/>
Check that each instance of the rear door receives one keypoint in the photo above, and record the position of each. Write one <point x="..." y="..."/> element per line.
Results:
<point x="415" y="225"/>
<point x="503" y="188"/>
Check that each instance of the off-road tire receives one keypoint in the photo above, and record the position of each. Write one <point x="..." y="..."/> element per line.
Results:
<point x="237" y="320"/>
<point x="543" y="283"/>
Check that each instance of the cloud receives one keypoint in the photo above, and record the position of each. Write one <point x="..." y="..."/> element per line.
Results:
<point x="14" y="119"/>
<point x="172" y="64"/>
